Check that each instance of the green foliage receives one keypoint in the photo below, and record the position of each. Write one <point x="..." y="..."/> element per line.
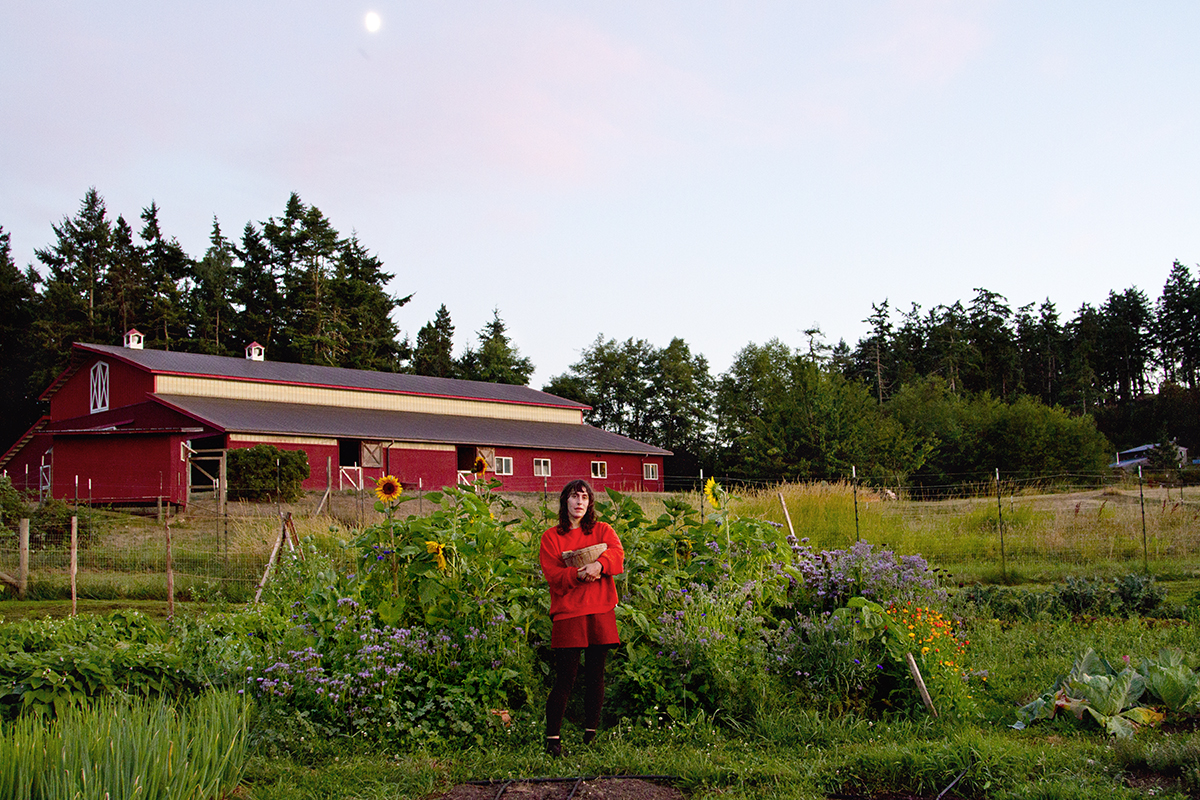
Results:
<point x="143" y="749"/>
<point x="50" y="666"/>
<point x="264" y="472"/>
<point x="1137" y="595"/>
<point x="1110" y="694"/>
<point x="1025" y="438"/>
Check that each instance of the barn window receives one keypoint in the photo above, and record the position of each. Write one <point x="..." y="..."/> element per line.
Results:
<point x="599" y="469"/>
<point x="650" y="472"/>
<point x="504" y="465"/>
<point x="541" y="468"/>
<point x="99" y="387"/>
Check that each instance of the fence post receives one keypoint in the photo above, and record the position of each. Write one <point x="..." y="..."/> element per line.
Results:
<point x="701" y="497"/>
<point x="170" y="574"/>
<point x="1142" y="501"/>
<point x="74" y="563"/>
<point x="1000" y="524"/>
<point x="23" y="568"/>
<point x="854" y="483"/>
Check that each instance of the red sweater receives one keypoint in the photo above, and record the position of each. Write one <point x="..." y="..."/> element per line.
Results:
<point x="569" y="596"/>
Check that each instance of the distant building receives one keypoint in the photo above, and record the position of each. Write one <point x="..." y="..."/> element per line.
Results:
<point x="1139" y="456"/>
<point x="125" y="423"/>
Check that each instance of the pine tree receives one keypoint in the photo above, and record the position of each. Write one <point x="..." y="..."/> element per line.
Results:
<point x="434" y="351"/>
<point x="359" y="292"/>
<point x="497" y="360"/>
<point x="256" y="296"/>
<point x="209" y="306"/>
<point x="167" y="267"/>
<point x="1177" y="326"/>
<point x="18" y="299"/>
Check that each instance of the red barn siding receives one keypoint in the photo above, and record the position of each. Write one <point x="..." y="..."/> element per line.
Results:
<point x="624" y="471"/>
<point x="430" y="469"/>
<point x="122" y="468"/>
<point x="22" y="468"/>
<point x="317" y="458"/>
<point x="126" y="385"/>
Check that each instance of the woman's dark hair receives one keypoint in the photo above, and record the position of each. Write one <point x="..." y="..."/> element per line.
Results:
<point x="589" y="516"/>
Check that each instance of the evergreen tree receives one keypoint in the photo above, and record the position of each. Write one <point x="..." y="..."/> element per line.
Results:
<point x="359" y="292"/>
<point x="1177" y="327"/>
<point x="209" y="305"/>
<point x="256" y="297"/>
<point x="994" y="362"/>
<point x="1126" y="343"/>
<point x="78" y="262"/>
<point x="434" y="351"/>
<point x="18" y="299"/>
<point x="167" y="267"/>
<point x="496" y="360"/>
<point x="127" y="286"/>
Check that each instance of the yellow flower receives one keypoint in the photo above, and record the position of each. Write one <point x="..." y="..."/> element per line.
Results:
<point x="438" y="554"/>
<point x="710" y="491"/>
<point x="388" y="489"/>
<point x="480" y="466"/>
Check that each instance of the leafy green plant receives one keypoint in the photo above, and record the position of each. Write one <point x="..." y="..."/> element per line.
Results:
<point x="1137" y="595"/>
<point x="264" y="472"/>
<point x="153" y="750"/>
<point x="1095" y="687"/>
<point x="1082" y="596"/>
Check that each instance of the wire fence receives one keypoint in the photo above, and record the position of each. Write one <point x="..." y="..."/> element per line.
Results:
<point x="1006" y="530"/>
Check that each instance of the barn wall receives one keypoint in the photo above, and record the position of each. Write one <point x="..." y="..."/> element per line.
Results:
<point x="319" y="451"/>
<point x="432" y="467"/>
<point x="122" y="468"/>
<point x="624" y="471"/>
<point x="22" y="468"/>
<point x="126" y="385"/>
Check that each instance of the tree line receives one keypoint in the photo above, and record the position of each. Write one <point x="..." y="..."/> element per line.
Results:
<point x="292" y="283"/>
<point x="934" y="396"/>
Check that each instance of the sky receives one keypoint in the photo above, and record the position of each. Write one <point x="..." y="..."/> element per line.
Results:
<point x="722" y="172"/>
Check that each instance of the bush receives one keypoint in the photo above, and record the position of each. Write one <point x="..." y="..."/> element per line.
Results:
<point x="265" y="472"/>
<point x="1137" y="595"/>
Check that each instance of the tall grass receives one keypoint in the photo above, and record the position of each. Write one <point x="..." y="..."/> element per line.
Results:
<point x="110" y="749"/>
<point x="1045" y="537"/>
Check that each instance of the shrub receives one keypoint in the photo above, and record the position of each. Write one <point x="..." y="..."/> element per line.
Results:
<point x="1083" y="597"/>
<point x="1136" y="595"/>
<point x="265" y="472"/>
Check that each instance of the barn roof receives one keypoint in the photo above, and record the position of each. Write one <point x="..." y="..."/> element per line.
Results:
<point x="170" y="362"/>
<point x="251" y="416"/>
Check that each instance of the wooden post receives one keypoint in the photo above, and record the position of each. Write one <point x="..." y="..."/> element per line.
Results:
<point x="170" y="574"/>
<point x="23" y="574"/>
<point x="74" y="564"/>
<point x="787" y="516"/>
<point x="916" y="674"/>
<point x="270" y="562"/>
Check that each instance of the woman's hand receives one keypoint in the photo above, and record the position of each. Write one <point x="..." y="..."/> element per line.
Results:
<point x="590" y="573"/>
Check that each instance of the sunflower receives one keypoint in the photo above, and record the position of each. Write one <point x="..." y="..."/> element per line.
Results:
<point x="710" y="491"/>
<point x="438" y="553"/>
<point x="480" y="466"/>
<point x="388" y="489"/>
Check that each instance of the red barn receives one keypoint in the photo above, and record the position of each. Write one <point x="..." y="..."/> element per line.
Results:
<point x="125" y="422"/>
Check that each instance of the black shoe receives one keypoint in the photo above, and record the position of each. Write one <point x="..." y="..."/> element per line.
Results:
<point x="588" y="735"/>
<point x="554" y="747"/>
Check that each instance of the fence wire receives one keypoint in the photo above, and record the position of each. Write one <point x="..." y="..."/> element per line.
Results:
<point x="1039" y="527"/>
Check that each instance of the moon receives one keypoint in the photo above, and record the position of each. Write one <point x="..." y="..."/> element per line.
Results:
<point x="372" y="21"/>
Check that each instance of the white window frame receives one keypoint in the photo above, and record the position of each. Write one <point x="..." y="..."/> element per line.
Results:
<point x="600" y="469"/>
<point x="98" y="387"/>
<point x="650" y="472"/>
<point x="541" y="468"/>
<point x="504" y="465"/>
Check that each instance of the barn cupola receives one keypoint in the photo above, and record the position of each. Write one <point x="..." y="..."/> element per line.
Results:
<point x="255" y="352"/>
<point x="134" y="339"/>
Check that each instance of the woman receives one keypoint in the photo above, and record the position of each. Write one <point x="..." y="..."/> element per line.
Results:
<point x="582" y="603"/>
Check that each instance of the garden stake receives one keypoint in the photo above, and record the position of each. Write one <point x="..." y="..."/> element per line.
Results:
<point x="787" y="516"/>
<point x="854" y="484"/>
<point x="1000" y="525"/>
<point x="1142" y="500"/>
<point x="170" y="573"/>
<point x="74" y="561"/>
<point x="916" y="674"/>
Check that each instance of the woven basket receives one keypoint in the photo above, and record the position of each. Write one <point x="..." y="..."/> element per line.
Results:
<point x="584" y="555"/>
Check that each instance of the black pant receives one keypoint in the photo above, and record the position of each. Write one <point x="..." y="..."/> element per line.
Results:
<point x="566" y="666"/>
